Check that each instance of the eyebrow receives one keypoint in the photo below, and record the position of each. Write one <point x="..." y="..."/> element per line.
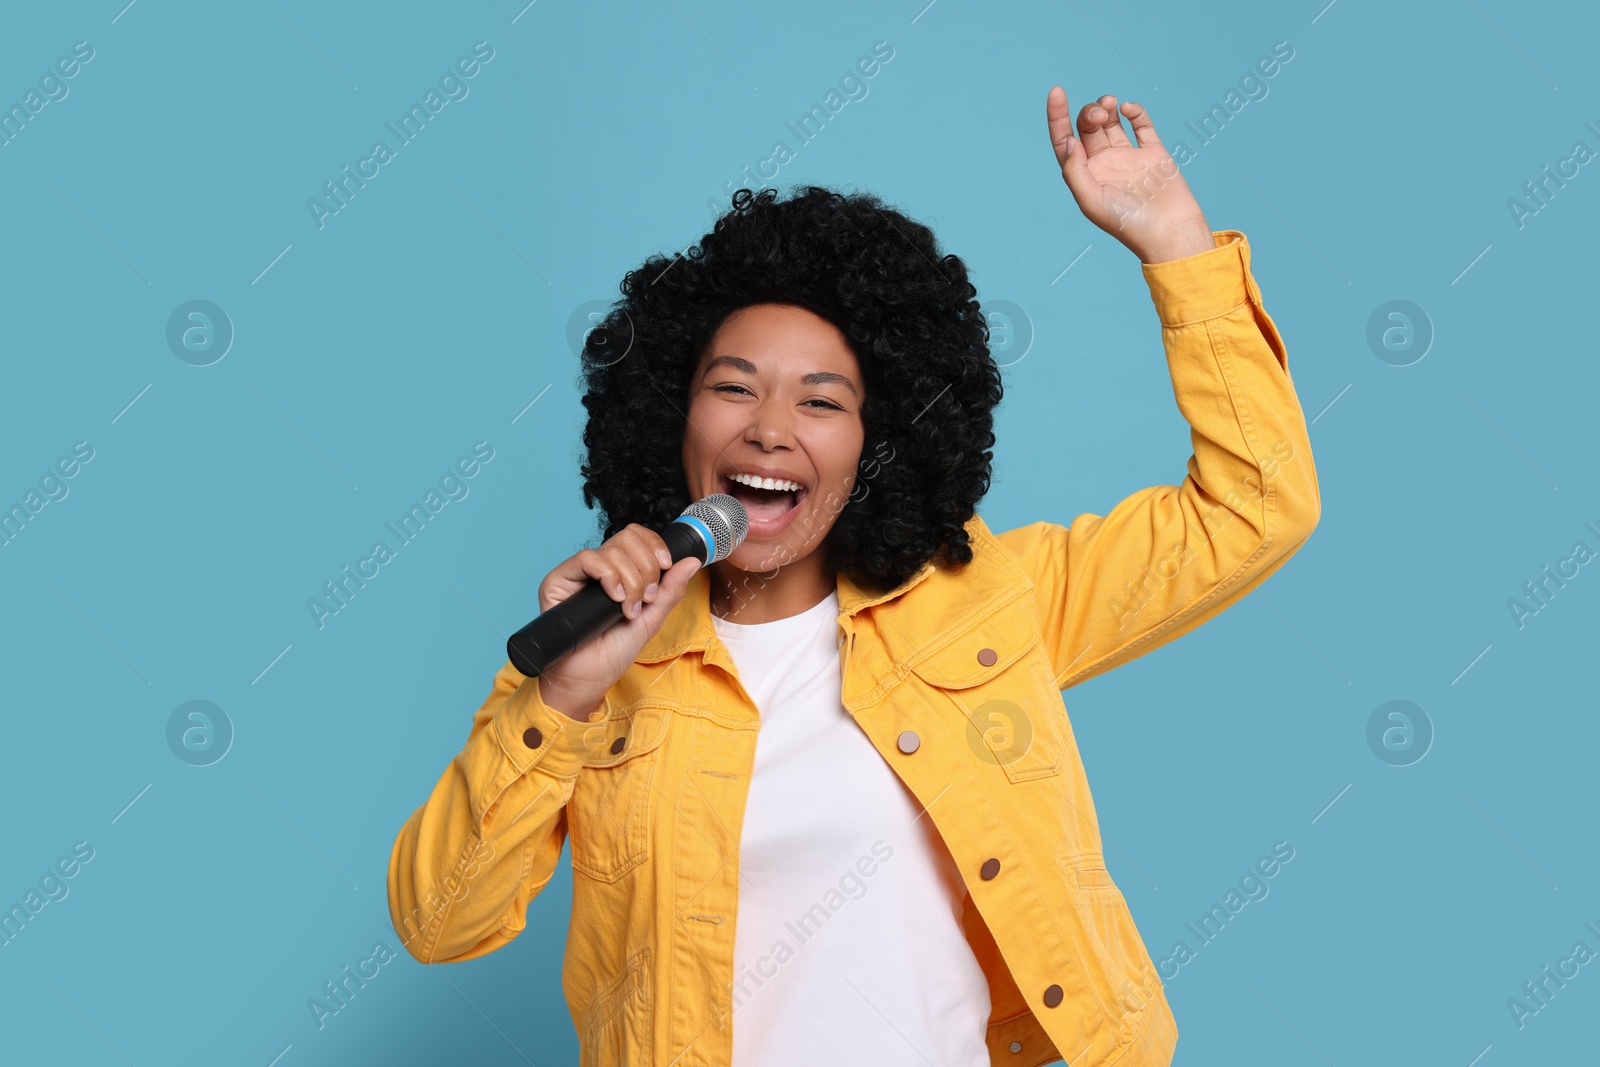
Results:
<point x="821" y="377"/>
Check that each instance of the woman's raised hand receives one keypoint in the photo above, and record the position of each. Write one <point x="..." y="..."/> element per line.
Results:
<point x="635" y="567"/>
<point x="1132" y="189"/>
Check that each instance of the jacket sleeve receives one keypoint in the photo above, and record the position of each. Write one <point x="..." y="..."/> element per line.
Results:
<point x="1169" y="557"/>
<point x="486" y="841"/>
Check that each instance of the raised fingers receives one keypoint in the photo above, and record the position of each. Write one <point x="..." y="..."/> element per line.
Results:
<point x="1058" y="114"/>
<point x="1143" y="129"/>
<point x="1099" y="127"/>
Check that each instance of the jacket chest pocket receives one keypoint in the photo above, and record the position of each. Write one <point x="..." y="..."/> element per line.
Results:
<point x="608" y="815"/>
<point x="997" y="676"/>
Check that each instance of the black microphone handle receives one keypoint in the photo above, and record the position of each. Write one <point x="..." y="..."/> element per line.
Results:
<point x="588" y="612"/>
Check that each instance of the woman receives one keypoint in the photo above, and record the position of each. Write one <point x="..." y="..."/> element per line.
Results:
<point x="824" y="803"/>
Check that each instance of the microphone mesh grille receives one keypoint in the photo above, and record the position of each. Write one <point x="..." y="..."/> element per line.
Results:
<point x="727" y="520"/>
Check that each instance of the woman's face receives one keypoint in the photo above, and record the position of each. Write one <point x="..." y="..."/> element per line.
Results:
<point x="776" y="394"/>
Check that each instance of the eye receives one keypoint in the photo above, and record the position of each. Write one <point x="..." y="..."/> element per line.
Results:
<point x="822" y="405"/>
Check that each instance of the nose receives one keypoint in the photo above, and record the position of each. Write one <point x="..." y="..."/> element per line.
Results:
<point x="771" y="425"/>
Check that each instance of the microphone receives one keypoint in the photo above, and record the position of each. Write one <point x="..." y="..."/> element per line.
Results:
<point x="709" y="529"/>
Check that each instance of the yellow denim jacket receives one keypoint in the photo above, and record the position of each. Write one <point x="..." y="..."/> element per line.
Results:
<point x="956" y="678"/>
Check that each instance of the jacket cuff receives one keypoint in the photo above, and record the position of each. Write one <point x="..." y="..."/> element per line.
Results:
<point x="1205" y="285"/>
<point x="533" y="734"/>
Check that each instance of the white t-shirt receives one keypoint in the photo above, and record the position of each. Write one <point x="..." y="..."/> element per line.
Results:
<point x="848" y="945"/>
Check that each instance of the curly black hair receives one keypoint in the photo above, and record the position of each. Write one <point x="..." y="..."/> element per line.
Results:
<point x="911" y="318"/>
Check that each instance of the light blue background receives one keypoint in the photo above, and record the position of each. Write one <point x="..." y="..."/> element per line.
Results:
<point x="428" y="313"/>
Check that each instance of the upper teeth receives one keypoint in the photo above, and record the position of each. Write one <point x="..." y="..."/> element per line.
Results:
<point x="765" y="483"/>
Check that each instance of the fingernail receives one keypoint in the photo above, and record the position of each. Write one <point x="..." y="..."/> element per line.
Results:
<point x="633" y="610"/>
<point x="665" y="557"/>
<point x="650" y="591"/>
<point x="619" y="590"/>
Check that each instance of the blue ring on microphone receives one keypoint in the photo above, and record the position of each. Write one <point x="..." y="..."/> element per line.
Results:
<point x="704" y="531"/>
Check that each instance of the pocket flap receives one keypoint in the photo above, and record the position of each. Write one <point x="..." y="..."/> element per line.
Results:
<point x="1007" y="632"/>
<point x="626" y="734"/>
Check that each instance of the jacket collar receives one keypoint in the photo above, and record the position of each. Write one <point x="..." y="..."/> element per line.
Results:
<point x="690" y="626"/>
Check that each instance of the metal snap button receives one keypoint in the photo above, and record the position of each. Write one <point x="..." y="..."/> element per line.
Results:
<point x="1015" y="1046"/>
<point x="618" y="745"/>
<point x="990" y="868"/>
<point x="1052" y="996"/>
<point x="986" y="656"/>
<point x="532" y="737"/>
<point x="909" y="742"/>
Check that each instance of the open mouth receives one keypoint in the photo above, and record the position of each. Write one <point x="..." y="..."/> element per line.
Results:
<point x="767" y="508"/>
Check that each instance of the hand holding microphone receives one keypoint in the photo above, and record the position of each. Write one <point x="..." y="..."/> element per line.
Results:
<point x="600" y="606"/>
